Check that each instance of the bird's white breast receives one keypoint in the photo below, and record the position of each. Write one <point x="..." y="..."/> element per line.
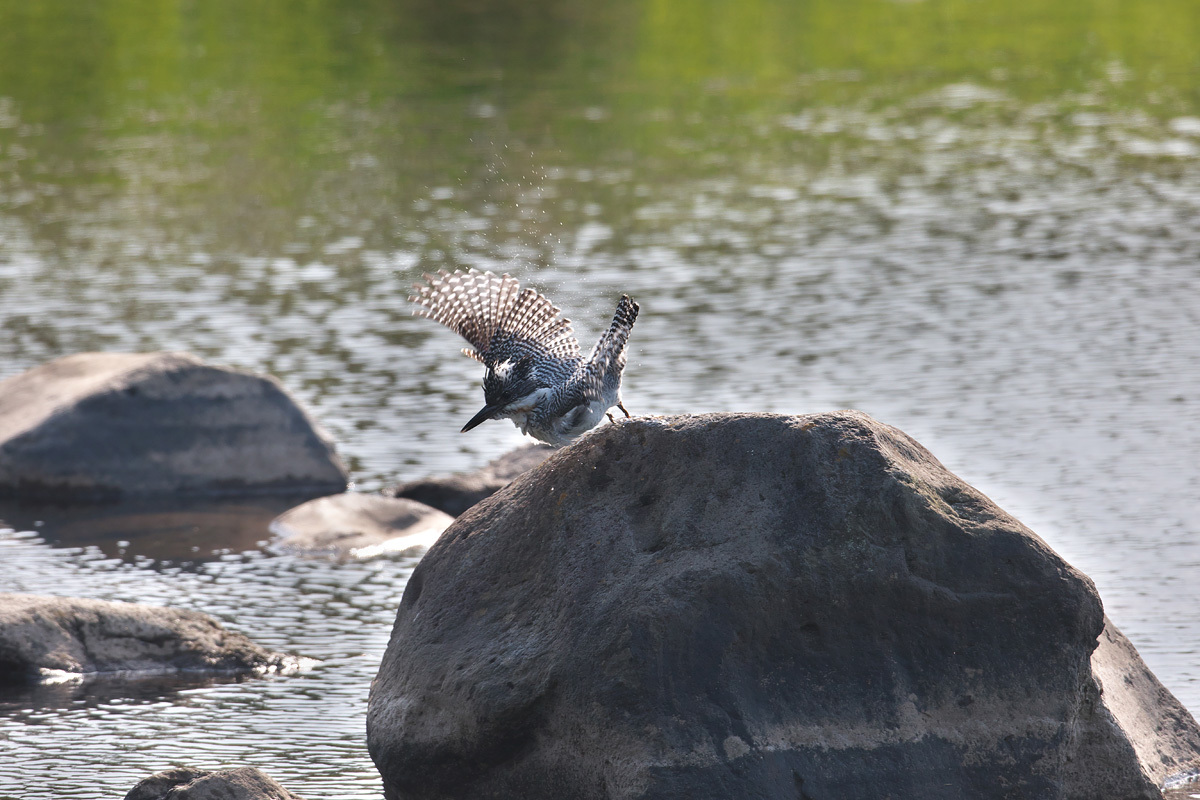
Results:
<point x="520" y="410"/>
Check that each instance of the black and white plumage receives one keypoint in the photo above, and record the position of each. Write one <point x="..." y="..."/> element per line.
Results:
<point x="535" y="375"/>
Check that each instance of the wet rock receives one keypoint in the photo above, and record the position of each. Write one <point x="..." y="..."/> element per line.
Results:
<point x="48" y="637"/>
<point x="759" y="606"/>
<point x="244" y="783"/>
<point x="99" y="426"/>
<point x="354" y="525"/>
<point x="454" y="494"/>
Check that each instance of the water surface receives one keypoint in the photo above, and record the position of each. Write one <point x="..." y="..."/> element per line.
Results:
<point x="981" y="225"/>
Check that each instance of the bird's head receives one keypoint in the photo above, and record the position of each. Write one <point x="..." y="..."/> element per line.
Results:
<point x="508" y="388"/>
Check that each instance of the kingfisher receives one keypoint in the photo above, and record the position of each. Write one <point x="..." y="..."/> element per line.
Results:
<point x="534" y="373"/>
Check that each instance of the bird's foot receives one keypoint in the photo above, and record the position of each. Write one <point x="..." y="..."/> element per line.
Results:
<point x="610" y="417"/>
<point x="622" y="407"/>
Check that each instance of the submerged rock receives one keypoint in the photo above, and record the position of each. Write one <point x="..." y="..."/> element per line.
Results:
<point x="99" y="426"/>
<point x="244" y="783"/>
<point x="53" y="637"/>
<point x="454" y="494"/>
<point x="355" y="525"/>
<point x="760" y="606"/>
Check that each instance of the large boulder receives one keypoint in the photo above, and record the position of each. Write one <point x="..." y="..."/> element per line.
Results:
<point x="44" y="636"/>
<point x="105" y="425"/>
<point x="357" y="526"/>
<point x="455" y="493"/>
<point x="182" y="783"/>
<point x="759" y="606"/>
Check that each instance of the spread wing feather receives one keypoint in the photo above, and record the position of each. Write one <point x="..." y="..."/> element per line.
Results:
<point x="496" y="316"/>
<point x="607" y="360"/>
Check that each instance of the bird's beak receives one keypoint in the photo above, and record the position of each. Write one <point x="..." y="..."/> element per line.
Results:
<point x="486" y="413"/>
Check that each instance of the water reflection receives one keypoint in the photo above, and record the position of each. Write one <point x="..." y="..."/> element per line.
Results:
<point x="32" y="701"/>
<point x="169" y="529"/>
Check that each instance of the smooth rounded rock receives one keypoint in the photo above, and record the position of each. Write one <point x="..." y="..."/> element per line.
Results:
<point x="759" y="606"/>
<point x="100" y="426"/>
<point x="353" y="525"/>
<point x="182" y="783"/>
<point x="42" y="637"/>
<point x="454" y="494"/>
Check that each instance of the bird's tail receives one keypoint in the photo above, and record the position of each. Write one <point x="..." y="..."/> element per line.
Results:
<point x="609" y="353"/>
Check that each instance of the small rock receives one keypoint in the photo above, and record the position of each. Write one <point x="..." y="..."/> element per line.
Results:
<point x="354" y="525"/>
<point x="99" y="426"/>
<point x="454" y="494"/>
<point x="48" y="637"/>
<point x="244" y="783"/>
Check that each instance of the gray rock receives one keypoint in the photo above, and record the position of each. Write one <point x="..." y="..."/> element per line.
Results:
<point x="454" y="494"/>
<point x="353" y="525"/>
<point x="759" y="606"/>
<point x="1134" y="709"/>
<point x="244" y="783"/>
<point x="106" y="425"/>
<point x="43" y="636"/>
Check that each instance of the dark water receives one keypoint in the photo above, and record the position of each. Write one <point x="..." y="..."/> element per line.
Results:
<point x="980" y="225"/>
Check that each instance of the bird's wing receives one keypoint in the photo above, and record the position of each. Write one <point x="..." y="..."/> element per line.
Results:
<point x="499" y="318"/>
<point x="607" y="360"/>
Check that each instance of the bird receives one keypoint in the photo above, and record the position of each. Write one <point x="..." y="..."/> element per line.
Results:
<point x="535" y="374"/>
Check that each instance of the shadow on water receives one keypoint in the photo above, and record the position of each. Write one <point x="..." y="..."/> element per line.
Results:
<point x="167" y="529"/>
<point x="99" y="691"/>
<point x="512" y="36"/>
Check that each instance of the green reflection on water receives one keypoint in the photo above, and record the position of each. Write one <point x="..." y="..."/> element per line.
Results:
<point x="155" y="133"/>
<point x="263" y="76"/>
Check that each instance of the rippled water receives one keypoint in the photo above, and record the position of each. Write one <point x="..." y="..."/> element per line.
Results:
<point x="986" y="234"/>
<point x="306" y="730"/>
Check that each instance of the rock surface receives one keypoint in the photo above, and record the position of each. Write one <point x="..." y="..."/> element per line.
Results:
<point x="1135" y="708"/>
<point x="454" y="494"/>
<point x="99" y="426"/>
<point x="42" y="635"/>
<point x="244" y="783"/>
<point x="758" y="606"/>
<point x="353" y="525"/>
